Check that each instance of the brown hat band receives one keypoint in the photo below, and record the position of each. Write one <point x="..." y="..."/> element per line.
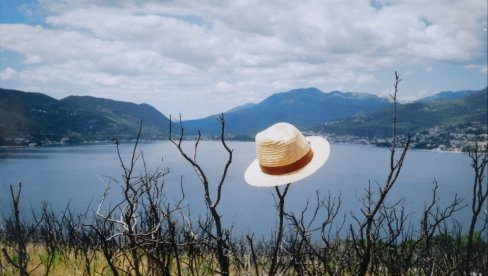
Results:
<point x="300" y="163"/>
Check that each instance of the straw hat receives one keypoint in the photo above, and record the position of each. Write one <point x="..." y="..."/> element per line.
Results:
<point x="284" y="156"/>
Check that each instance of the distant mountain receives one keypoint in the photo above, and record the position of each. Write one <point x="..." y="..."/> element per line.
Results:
<point x="301" y="107"/>
<point x="27" y="117"/>
<point x="415" y="117"/>
<point x="447" y="95"/>
<point x="35" y="117"/>
<point x="241" y="107"/>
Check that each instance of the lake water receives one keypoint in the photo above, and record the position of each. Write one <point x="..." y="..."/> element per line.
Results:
<point x="79" y="175"/>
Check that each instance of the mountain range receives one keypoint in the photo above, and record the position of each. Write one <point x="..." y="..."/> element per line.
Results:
<point x="35" y="117"/>
<point x="302" y="107"/>
<point x="347" y="113"/>
<point x="441" y="110"/>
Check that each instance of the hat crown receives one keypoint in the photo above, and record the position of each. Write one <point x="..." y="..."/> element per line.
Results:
<point x="279" y="145"/>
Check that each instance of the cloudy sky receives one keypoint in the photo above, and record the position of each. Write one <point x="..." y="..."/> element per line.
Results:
<point x="203" y="57"/>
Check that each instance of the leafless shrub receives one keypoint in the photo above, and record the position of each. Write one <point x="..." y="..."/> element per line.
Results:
<point x="49" y="234"/>
<point x="479" y="162"/>
<point x="17" y="236"/>
<point x="319" y="230"/>
<point x="141" y="226"/>
<point x="219" y="235"/>
<point x="434" y="217"/>
<point x="369" y="224"/>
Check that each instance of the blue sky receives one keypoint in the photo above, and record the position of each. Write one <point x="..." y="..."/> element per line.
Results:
<point x="203" y="57"/>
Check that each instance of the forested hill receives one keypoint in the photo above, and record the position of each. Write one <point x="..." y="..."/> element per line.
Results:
<point x="462" y="110"/>
<point x="37" y="118"/>
<point x="302" y="107"/>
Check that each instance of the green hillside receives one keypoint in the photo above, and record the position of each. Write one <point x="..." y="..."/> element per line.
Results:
<point x="302" y="107"/>
<point x="36" y="118"/>
<point x="413" y="117"/>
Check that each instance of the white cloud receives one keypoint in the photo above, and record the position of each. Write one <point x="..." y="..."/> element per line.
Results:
<point x="167" y="52"/>
<point x="8" y="74"/>
<point x="224" y="86"/>
<point x="366" y="78"/>
<point x="477" y="68"/>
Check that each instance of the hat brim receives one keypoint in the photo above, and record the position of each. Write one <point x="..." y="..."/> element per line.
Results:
<point x="321" y="151"/>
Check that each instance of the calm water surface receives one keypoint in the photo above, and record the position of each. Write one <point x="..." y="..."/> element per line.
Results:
<point x="78" y="175"/>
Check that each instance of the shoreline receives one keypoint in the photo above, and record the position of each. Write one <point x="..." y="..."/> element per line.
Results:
<point x="88" y="143"/>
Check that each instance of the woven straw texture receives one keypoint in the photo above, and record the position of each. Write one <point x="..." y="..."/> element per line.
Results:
<point x="281" y="145"/>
